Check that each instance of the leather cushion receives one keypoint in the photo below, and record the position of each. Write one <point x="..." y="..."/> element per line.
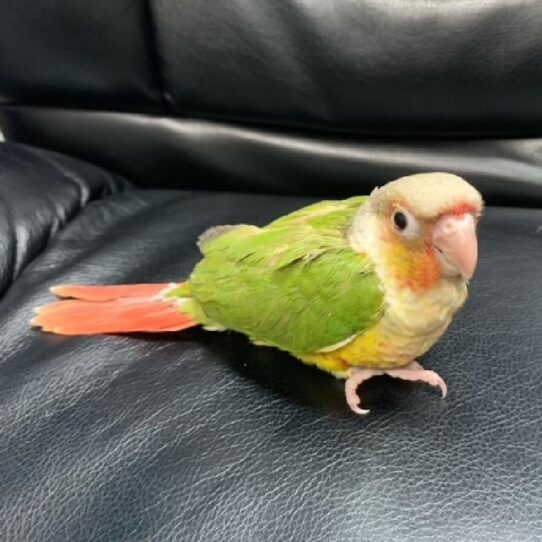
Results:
<point x="174" y="153"/>
<point x="201" y="436"/>
<point x="40" y="191"/>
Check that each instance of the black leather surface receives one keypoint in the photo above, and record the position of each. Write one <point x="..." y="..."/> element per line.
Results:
<point x="393" y="67"/>
<point x="39" y="192"/>
<point x="86" y="52"/>
<point x="201" y="436"/>
<point x="369" y="65"/>
<point x="172" y="153"/>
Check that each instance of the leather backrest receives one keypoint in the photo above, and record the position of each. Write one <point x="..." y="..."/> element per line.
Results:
<point x="350" y="73"/>
<point x="364" y="65"/>
<point x="369" y="66"/>
<point x="90" y="54"/>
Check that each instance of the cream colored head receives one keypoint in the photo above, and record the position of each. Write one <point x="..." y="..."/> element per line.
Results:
<point x="422" y="225"/>
<point x="428" y="195"/>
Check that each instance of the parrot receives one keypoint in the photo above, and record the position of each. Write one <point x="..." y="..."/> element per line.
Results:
<point x="357" y="287"/>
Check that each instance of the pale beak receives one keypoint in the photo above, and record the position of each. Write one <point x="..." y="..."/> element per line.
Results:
<point x="454" y="237"/>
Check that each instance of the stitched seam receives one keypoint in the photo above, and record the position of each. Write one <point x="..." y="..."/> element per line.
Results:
<point x="158" y="60"/>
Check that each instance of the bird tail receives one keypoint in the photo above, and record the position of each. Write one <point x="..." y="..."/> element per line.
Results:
<point x="90" y="310"/>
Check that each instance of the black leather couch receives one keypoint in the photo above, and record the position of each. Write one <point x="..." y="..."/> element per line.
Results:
<point x="132" y="126"/>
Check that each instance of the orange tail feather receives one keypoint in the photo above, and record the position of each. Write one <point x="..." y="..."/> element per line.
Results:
<point x="112" y="309"/>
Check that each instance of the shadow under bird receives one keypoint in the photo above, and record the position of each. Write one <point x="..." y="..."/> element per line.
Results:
<point x="358" y="287"/>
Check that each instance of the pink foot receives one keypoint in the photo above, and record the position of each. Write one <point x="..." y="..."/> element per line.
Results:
<point x="413" y="372"/>
<point x="357" y="377"/>
<point x="416" y="373"/>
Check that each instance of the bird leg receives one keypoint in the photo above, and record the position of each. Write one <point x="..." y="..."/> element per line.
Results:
<point x="412" y="372"/>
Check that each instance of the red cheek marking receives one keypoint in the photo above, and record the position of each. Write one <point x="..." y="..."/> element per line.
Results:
<point x="430" y="271"/>
<point x="415" y="270"/>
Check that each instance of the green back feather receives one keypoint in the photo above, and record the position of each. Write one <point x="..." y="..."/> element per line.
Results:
<point x="295" y="284"/>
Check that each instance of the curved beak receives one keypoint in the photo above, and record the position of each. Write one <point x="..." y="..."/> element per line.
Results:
<point x="455" y="238"/>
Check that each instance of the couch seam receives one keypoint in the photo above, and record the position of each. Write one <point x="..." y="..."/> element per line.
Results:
<point x="76" y="179"/>
<point x="157" y="58"/>
<point x="313" y="129"/>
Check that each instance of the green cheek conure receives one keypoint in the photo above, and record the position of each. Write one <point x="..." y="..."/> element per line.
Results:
<point x="358" y="287"/>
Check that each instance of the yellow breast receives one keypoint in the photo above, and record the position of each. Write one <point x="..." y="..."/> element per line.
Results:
<point x="411" y="324"/>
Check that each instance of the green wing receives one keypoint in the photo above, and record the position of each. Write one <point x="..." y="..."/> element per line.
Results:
<point x="295" y="284"/>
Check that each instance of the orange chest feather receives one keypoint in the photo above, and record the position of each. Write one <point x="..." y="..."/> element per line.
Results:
<point x="415" y="269"/>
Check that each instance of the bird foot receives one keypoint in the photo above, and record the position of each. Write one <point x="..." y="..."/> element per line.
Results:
<point x="412" y="372"/>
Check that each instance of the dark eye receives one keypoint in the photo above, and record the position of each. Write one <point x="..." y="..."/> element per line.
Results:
<point x="400" y="220"/>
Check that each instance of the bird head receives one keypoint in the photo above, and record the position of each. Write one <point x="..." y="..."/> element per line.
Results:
<point x="421" y="229"/>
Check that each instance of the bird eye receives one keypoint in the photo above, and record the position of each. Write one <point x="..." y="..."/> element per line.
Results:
<point x="400" y="220"/>
<point x="404" y="223"/>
